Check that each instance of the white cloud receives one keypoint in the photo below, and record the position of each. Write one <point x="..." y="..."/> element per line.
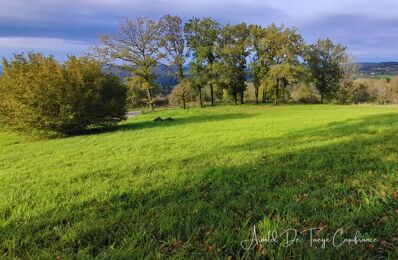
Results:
<point x="41" y="43"/>
<point x="58" y="47"/>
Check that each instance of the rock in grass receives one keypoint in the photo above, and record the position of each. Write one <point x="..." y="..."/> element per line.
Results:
<point x="158" y="119"/>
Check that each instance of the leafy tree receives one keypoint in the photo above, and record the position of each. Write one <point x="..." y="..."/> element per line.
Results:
<point x="277" y="53"/>
<point x="174" y="42"/>
<point x="37" y="92"/>
<point x="198" y="79"/>
<point x="258" y="67"/>
<point x="201" y="36"/>
<point x="137" y="45"/>
<point x="233" y="50"/>
<point x="181" y="93"/>
<point x="324" y="59"/>
<point x="137" y="92"/>
<point x="280" y="76"/>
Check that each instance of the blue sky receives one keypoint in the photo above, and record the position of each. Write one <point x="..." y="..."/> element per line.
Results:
<point x="368" y="28"/>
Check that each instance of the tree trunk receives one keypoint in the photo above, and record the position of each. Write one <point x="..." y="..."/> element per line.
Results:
<point x="180" y="72"/>
<point x="264" y="96"/>
<point x="241" y="97"/>
<point x="256" y="94"/>
<point x="148" y="92"/>
<point x="212" y="94"/>
<point x="236" y="98"/>
<point x="321" y="98"/>
<point x="200" y="97"/>
<point x="183" y="100"/>
<point x="276" y="91"/>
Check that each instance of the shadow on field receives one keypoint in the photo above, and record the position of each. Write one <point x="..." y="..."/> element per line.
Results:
<point x="182" y="121"/>
<point x="129" y="126"/>
<point x="348" y="182"/>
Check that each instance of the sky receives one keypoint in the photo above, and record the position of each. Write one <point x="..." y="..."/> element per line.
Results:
<point x="368" y="28"/>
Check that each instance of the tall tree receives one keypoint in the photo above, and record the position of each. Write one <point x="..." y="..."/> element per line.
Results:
<point x="136" y="45"/>
<point x="258" y="67"/>
<point x="199" y="79"/>
<point x="201" y="36"/>
<point x="349" y="70"/>
<point x="173" y="41"/>
<point x="324" y="59"/>
<point x="280" y="51"/>
<point x="282" y="75"/>
<point x="233" y="50"/>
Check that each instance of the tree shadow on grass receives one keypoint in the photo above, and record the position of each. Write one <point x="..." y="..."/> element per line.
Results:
<point x="183" y="121"/>
<point x="132" y="125"/>
<point x="339" y="176"/>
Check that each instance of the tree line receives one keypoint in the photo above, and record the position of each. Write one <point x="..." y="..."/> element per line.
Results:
<point x="221" y="57"/>
<point x="42" y="94"/>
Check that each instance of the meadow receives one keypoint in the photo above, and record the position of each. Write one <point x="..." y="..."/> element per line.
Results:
<point x="196" y="186"/>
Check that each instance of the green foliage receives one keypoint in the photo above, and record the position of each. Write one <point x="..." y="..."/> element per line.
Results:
<point x="233" y="50"/>
<point x="324" y="59"/>
<point x="353" y="92"/>
<point x="198" y="79"/>
<point x="277" y="56"/>
<point x="305" y="93"/>
<point x="39" y="93"/>
<point x="182" y="93"/>
<point x="136" y="94"/>
<point x="201" y="37"/>
<point x="173" y="41"/>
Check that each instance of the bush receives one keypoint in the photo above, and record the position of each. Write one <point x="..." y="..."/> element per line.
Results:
<point x="305" y="94"/>
<point x="38" y="93"/>
<point x="382" y="91"/>
<point x="136" y="96"/>
<point x="353" y="92"/>
<point x="181" y="93"/>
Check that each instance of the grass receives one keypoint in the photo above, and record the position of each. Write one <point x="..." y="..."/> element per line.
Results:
<point x="195" y="187"/>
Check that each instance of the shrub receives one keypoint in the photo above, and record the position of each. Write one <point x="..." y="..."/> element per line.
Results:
<point x="353" y="92"/>
<point x="181" y="93"/>
<point x="305" y="94"/>
<point x="136" y="96"/>
<point x="38" y="93"/>
<point x="382" y="91"/>
<point x="360" y="93"/>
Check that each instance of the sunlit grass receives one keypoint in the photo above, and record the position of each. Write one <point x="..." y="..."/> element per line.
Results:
<point x="197" y="185"/>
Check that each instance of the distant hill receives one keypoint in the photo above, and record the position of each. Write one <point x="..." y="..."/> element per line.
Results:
<point x="379" y="68"/>
<point x="164" y="75"/>
<point x="166" y="79"/>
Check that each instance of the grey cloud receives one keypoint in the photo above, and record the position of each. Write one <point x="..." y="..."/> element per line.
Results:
<point x="365" y="30"/>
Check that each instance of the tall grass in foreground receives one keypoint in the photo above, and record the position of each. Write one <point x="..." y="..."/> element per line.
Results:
<point x="196" y="186"/>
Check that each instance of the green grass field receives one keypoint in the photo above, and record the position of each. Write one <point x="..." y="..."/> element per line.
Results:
<point x="196" y="186"/>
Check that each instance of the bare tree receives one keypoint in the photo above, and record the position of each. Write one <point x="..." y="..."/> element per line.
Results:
<point x="349" y="70"/>
<point x="135" y="46"/>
